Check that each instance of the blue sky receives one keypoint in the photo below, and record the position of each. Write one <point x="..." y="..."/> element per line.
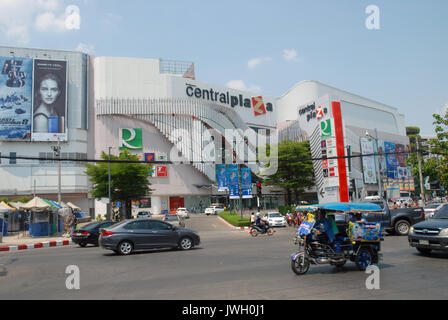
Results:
<point x="266" y="46"/>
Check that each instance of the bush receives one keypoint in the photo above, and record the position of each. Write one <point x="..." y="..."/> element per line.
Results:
<point x="234" y="219"/>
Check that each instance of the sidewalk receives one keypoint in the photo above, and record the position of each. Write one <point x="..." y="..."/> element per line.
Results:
<point x="15" y="242"/>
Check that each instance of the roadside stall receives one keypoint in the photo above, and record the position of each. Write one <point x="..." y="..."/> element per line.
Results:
<point x="13" y="218"/>
<point x="41" y="212"/>
<point x="4" y="212"/>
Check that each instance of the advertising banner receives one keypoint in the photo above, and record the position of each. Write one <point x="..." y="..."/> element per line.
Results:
<point x="401" y="156"/>
<point x="234" y="187"/>
<point x="391" y="160"/>
<point x="246" y="182"/>
<point x="382" y="158"/>
<point x="222" y="177"/>
<point x="368" y="163"/>
<point x="50" y="101"/>
<point x="16" y="93"/>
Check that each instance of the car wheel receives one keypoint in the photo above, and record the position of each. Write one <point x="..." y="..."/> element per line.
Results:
<point x="424" y="251"/>
<point x="125" y="248"/>
<point x="82" y="244"/>
<point x="185" y="243"/>
<point x="402" y="227"/>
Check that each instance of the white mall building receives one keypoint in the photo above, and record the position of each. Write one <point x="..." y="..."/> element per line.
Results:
<point x="157" y="109"/>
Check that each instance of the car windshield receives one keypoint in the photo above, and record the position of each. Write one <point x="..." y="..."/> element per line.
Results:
<point x="171" y="218"/>
<point x="432" y="206"/>
<point x="442" y="214"/>
<point x="275" y="215"/>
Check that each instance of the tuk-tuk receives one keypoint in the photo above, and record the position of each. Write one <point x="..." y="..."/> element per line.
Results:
<point x="321" y="241"/>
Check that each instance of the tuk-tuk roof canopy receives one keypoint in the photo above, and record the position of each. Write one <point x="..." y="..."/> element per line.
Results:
<point x="344" y="207"/>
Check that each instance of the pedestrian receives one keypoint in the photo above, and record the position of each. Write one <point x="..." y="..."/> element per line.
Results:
<point x="74" y="223"/>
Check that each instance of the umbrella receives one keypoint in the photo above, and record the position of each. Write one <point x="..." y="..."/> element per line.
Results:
<point x="7" y="206"/>
<point x="72" y="206"/>
<point x="36" y="204"/>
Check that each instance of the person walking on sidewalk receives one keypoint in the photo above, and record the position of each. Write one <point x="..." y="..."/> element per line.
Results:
<point x="74" y="223"/>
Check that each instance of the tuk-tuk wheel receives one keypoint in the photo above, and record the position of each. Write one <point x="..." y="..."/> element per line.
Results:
<point x="364" y="258"/>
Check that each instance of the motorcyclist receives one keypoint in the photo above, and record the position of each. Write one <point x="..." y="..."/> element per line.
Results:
<point x="260" y="223"/>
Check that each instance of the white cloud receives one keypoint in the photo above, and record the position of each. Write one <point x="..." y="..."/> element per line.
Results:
<point x="85" y="48"/>
<point x="49" y="22"/>
<point x="240" y="85"/>
<point x="18" y="17"/>
<point x="290" y="55"/>
<point x="252" y="63"/>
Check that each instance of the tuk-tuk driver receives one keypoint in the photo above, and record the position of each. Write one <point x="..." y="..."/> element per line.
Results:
<point x="326" y="225"/>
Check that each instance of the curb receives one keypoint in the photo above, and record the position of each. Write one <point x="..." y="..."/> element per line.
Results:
<point x="38" y="245"/>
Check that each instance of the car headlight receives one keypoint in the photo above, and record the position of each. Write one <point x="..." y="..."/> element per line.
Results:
<point x="444" y="232"/>
<point x="411" y="230"/>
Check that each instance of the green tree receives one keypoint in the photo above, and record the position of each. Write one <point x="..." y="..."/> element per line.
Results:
<point x="294" y="174"/>
<point x="128" y="180"/>
<point x="429" y="165"/>
<point x="440" y="146"/>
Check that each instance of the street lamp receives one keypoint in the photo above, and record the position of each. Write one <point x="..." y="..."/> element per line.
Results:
<point x="377" y="162"/>
<point x="109" y="213"/>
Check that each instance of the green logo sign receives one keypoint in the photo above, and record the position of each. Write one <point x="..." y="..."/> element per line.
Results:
<point x="130" y="139"/>
<point x="325" y="129"/>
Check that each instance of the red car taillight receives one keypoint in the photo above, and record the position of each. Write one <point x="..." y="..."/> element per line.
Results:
<point x="106" y="233"/>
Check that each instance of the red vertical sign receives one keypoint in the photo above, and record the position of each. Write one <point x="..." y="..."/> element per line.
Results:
<point x="340" y="149"/>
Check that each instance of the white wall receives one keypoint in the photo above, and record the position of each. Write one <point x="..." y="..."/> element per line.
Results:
<point x="128" y="78"/>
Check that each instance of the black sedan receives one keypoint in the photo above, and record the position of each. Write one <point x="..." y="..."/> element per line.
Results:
<point x="89" y="233"/>
<point x="431" y="234"/>
<point x="130" y="235"/>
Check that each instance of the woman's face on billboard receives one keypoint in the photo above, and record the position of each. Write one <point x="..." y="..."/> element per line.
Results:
<point x="49" y="91"/>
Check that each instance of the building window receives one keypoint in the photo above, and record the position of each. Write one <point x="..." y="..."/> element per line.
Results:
<point x="12" y="158"/>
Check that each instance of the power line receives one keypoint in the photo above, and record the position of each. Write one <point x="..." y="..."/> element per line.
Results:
<point x="183" y="161"/>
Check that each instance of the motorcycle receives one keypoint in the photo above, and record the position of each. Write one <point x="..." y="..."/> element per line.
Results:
<point x="256" y="230"/>
<point x="289" y="221"/>
<point x="314" y="247"/>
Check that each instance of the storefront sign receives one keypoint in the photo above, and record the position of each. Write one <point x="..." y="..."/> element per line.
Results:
<point x="194" y="91"/>
<point x="130" y="139"/>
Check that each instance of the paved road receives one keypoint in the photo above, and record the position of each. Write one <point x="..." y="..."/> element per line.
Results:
<point x="228" y="264"/>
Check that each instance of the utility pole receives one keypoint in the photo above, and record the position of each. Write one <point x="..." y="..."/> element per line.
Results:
<point x="57" y="153"/>
<point x="109" y="211"/>
<point x="59" y="172"/>
<point x="422" y="187"/>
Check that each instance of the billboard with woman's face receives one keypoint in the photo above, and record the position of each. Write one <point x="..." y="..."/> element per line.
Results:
<point x="50" y="101"/>
<point x="16" y="88"/>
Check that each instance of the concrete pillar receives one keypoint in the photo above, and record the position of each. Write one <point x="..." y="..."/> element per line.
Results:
<point x="156" y="205"/>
